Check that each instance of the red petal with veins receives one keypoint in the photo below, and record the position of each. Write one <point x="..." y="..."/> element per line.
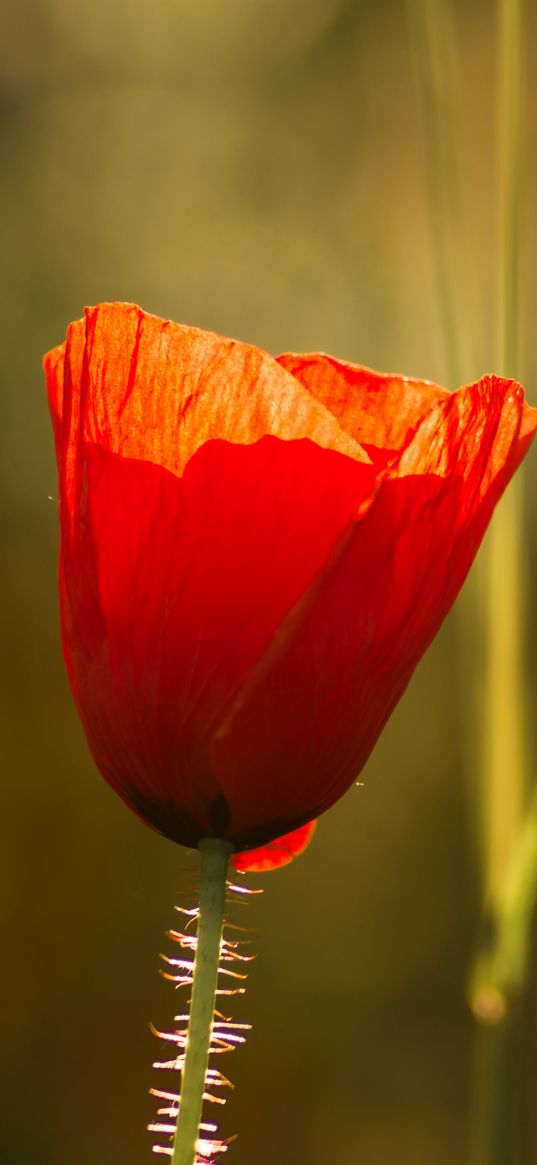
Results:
<point x="255" y="553"/>
<point x="356" y="637"/>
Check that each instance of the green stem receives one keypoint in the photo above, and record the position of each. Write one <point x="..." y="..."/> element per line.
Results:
<point x="509" y="48"/>
<point x="503" y="777"/>
<point x="501" y="1131"/>
<point x="430" y="26"/>
<point x="509" y="833"/>
<point x="497" y="1000"/>
<point x="502" y="965"/>
<point x="504" y="769"/>
<point x="214" y="862"/>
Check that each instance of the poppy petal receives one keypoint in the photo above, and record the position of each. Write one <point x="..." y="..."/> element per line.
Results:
<point x="172" y="590"/>
<point x="277" y="853"/>
<point x="148" y="388"/>
<point x="379" y="410"/>
<point x="255" y="553"/>
<point x="352" y="648"/>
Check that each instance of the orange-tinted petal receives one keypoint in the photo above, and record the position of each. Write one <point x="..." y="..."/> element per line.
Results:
<point x="277" y="853"/>
<point x="379" y="410"/>
<point x="312" y="710"/>
<point x="156" y="391"/>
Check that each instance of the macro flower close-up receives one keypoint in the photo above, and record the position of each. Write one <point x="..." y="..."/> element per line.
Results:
<point x="255" y="553"/>
<point x="269" y="532"/>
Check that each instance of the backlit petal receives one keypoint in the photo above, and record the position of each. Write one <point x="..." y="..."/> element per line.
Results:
<point x="352" y="648"/>
<point x="172" y="591"/>
<point x="277" y="853"/>
<point x="379" y="410"/>
<point x="149" y="389"/>
<point x="255" y="553"/>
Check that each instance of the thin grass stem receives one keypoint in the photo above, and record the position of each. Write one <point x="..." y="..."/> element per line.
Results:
<point x="504" y="775"/>
<point x="431" y="38"/>
<point x="509" y="829"/>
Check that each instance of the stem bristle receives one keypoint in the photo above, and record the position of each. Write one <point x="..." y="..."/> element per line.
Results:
<point x="223" y="1034"/>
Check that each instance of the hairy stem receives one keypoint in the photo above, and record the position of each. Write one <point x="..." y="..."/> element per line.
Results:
<point x="214" y="862"/>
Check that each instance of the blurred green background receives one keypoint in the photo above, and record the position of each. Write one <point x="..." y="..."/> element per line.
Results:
<point x="255" y="167"/>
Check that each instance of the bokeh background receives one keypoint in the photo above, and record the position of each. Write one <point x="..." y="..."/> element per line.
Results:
<point x="256" y="167"/>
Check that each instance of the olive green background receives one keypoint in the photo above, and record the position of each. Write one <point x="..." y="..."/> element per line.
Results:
<point x="255" y="167"/>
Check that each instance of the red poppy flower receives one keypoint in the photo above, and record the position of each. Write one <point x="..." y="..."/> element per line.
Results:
<point x="255" y="553"/>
